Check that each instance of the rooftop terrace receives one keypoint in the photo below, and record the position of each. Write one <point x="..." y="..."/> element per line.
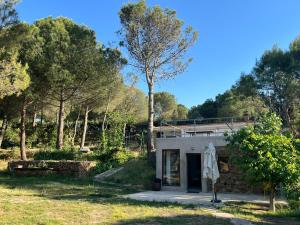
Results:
<point x="201" y="127"/>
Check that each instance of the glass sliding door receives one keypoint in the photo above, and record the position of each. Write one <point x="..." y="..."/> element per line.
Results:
<point x="171" y="167"/>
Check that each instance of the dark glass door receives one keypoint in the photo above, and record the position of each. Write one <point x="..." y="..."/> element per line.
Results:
<point x="194" y="172"/>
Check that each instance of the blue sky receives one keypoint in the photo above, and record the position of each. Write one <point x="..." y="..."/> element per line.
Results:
<point x="232" y="35"/>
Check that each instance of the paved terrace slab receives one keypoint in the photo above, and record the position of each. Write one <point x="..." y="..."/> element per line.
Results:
<point x="197" y="198"/>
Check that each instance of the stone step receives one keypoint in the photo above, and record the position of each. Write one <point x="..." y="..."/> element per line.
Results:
<point x="108" y="173"/>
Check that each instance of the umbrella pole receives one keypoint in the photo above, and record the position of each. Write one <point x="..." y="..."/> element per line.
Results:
<point x="213" y="192"/>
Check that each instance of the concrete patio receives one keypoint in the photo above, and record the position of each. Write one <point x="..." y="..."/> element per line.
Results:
<point x="201" y="198"/>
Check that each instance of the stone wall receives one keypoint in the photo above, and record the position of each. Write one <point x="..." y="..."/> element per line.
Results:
<point x="233" y="180"/>
<point x="45" y="167"/>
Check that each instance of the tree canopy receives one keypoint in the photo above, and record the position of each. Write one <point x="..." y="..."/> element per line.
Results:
<point x="157" y="43"/>
<point x="265" y="154"/>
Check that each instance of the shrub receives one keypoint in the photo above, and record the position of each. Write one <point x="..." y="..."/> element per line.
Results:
<point x="293" y="191"/>
<point x="111" y="159"/>
<point x="9" y="154"/>
<point x="64" y="154"/>
<point x="137" y="172"/>
<point x="11" y="138"/>
<point x="294" y="205"/>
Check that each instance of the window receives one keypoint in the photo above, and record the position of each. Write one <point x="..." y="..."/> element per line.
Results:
<point x="171" y="167"/>
<point x="223" y="164"/>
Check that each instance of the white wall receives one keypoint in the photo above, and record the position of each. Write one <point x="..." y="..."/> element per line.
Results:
<point x="196" y="144"/>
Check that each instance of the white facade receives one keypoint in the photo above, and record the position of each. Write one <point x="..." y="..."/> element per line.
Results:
<point x="185" y="145"/>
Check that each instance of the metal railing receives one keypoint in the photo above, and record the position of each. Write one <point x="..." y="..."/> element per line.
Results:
<point x="191" y="127"/>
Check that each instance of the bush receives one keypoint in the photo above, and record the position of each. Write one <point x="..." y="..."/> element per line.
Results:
<point x="11" y="137"/>
<point x="9" y="154"/>
<point x="64" y="154"/>
<point x="293" y="191"/>
<point x="294" y="205"/>
<point x="111" y="159"/>
<point x="137" y="172"/>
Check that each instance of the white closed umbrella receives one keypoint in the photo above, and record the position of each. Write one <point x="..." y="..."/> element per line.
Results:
<point x="210" y="167"/>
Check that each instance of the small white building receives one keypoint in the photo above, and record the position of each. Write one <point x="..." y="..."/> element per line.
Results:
<point x="179" y="155"/>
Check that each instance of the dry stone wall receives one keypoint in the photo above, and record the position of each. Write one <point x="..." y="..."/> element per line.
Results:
<point x="45" y="167"/>
<point x="234" y="180"/>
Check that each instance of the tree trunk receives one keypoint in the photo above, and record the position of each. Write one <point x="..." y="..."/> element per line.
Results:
<point x="42" y="113"/>
<point x="34" y="117"/>
<point x="75" y="127"/>
<point x="60" y="127"/>
<point x="105" y="113"/>
<point x="23" y="132"/>
<point x="85" y="125"/>
<point x="3" y="129"/>
<point x="272" y="200"/>
<point x="150" y="141"/>
<point x="124" y="133"/>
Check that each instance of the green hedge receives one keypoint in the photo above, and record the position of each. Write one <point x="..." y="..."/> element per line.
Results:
<point x="56" y="155"/>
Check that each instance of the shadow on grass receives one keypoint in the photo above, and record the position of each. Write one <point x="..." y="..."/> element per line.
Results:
<point x="70" y="189"/>
<point x="283" y="215"/>
<point x="175" y="220"/>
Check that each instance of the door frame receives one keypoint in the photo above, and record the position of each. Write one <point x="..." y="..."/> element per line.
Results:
<point x="187" y="170"/>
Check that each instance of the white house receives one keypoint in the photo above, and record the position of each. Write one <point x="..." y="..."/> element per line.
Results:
<point x="179" y="155"/>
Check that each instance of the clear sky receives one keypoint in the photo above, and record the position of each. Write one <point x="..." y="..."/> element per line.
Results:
<point x="232" y="35"/>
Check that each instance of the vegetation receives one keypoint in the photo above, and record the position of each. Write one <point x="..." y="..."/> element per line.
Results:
<point x="272" y="85"/>
<point x="156" y="42"/>
<point x="259" y="213"/>
<point x="166" y="107"/>
<point x="131" y="174"/>
<point x="86" y="202"/>
<point x="265" y="154"/>
<point x="61" y="90"/>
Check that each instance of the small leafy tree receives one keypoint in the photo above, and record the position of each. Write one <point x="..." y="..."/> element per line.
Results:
<point x="112" y="150"/>
<point x="13" y="76"/>
<point x="265" y="154"/>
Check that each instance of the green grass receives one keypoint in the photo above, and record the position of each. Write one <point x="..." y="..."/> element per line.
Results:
<point x="260" y="214"/>
<point x="137" y="172"/>
<point x="60" y="200"/>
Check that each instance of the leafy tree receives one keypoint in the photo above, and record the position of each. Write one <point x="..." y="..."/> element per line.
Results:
<point x="133" y="104"/>
<point x="8" y="13"/>
<point x="265" y="154"/>
<point x="20" y="49"/>
<point x="9" y="110"/>
<point x="181" y="112"/>
<point x="241" y="99"/>
<point x="207" y="110"/>
<point x="164" y="105"/>
<point x="13" y="75"/>
<point x="68" y="52"/>
<point x="246" y="86"/>
<point x="103" y="81"/>
<point x="156" y="43"/>
<point x="275" y="78"/>
<point x="232" y="104"/>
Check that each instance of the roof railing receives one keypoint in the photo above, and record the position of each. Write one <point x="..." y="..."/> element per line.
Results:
<point x="229" y="121"/>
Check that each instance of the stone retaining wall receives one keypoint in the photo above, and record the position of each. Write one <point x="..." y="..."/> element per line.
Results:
<point x="234" y="180"/>
<point x="44" y="167"/>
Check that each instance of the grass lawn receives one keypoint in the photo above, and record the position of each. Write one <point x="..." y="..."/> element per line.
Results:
<point x="259" y="213"/>
<point x="54" y="200"/>
<point x="60" y="200"/>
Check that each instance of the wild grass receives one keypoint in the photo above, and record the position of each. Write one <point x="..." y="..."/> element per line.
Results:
<point x="60" y="200"/>
<point x="137" y="173"/>
<point x="260" y="214"/>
